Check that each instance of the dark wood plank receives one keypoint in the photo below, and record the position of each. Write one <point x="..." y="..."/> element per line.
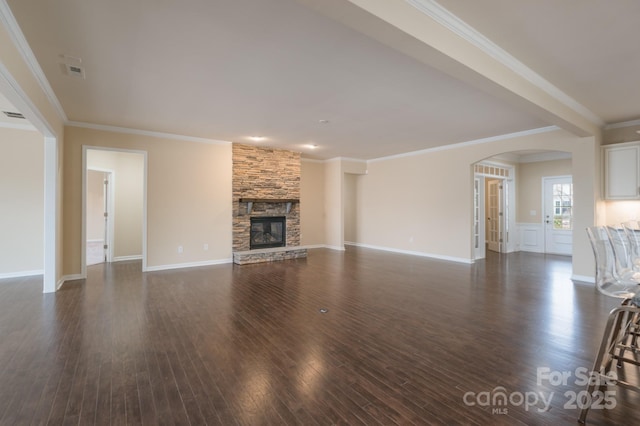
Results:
<point x="404" y="339"/>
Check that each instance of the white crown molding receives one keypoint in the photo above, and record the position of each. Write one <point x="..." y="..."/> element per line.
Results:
<point x="355" y="160"/>
<point x="468" y="143"/>
<point x="622" y="124"/>
<point x="20" y="42"/>
<point x="537" y="157"/>
<point x="161" y="135"/>
<point x="18" y="126"/>
<point x="545" y="156"/>
<point x="334" y="159"/>
<point x="450" y="21"/>
<point x="312" y="160"/>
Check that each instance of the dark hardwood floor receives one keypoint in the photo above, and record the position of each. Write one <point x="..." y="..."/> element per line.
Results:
<point x="405" y="340"/>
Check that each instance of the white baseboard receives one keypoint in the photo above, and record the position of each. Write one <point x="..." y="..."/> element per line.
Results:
<point x="96" y="241"/>
<point x="337" y="248"/>
<point x="21" y="274"/>
<point x="314" y="246"/>
<point x="583" y="279"/>
<point x="188" y="265"/>
<point x="123" y="258"/>
<point x="414" y="253"/>
<point x="66" y="278"/>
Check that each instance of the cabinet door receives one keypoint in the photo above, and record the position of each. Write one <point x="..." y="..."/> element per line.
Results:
<point x="621" y="172"/>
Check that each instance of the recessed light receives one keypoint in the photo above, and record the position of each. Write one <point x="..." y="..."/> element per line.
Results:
<point x="257" y="138"/>
<point x="311" y="145"/>
<point x="323" y="121"/>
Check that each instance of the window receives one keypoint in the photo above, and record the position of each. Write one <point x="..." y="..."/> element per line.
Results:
<point x="563" y="206"/>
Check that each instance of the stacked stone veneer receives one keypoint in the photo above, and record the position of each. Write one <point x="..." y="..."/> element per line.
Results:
<point x="267" y="174"/>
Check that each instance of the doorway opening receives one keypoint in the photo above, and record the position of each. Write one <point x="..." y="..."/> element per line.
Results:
<point x="114" y="206"/>
<point x="558" y="211"/>
<point x="493" y="201"/>
<point x="532" y="221"/>
<point x="99" y="202"/>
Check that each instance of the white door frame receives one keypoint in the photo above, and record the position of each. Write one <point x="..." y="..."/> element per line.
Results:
<point x="14" y="93"/>
<point x="479" y="246"/>
<point x="509" y="201"/>
<point x="85" y="148"/>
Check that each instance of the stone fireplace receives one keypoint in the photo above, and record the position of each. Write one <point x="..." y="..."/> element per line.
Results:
<point x="266" y="199"/>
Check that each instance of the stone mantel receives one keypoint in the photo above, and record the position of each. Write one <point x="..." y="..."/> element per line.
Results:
<point x="250" y="201"/>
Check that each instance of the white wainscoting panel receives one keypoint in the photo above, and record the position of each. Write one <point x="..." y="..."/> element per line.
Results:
<point x="531" y="237"/>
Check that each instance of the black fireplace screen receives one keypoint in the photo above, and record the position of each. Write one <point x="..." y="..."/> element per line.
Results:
<point x="268" y="232"/>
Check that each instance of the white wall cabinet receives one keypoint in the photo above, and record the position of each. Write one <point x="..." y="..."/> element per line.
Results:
<point x="622" y="171"/>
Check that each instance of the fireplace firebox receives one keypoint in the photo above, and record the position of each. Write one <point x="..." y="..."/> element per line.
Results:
<point x="267" y="232"/>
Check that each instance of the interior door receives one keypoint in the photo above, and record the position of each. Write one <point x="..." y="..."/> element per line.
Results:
<point x="479" y="240"/>
<point x="494" y="215"/>
<point x="95" y="219"/>
<point x="558" y="211"/>
<point x="107" y="207"/>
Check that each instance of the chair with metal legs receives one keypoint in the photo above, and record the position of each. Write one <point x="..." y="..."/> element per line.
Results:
<point x="621" y="329"/>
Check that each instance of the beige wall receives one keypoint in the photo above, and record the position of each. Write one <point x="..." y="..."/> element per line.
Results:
<point x="128" y="193"/>
<point x="622" y="134"/>
<point x="21" y="202"/>
<point x="336" y="171"/>
<point x="312" y="229"/>
<point x="188" y="193"/>
<point x="333" y="204"/>
<point x="431" y="196"/>
<point x="529" y="187"/>
<point x="351" y="207"/>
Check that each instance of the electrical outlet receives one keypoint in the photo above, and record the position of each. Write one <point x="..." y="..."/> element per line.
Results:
<point x="205" y="247"/>
<point x="180" y="249"/>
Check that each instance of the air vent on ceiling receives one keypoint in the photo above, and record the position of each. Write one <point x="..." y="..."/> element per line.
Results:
<point x="75" y="71"/>
<point x="11" y="114"/>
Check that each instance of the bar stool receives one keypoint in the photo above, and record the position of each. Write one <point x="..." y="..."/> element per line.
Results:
<point x="621" y="330"/>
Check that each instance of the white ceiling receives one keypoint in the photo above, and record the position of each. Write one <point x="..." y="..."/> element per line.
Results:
<point x="229" y="69"/>
<point x="587" y="48"/>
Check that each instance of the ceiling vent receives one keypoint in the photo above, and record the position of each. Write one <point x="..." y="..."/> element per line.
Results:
<point x="74" y="71"/>
<point x="11" y="114"/>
